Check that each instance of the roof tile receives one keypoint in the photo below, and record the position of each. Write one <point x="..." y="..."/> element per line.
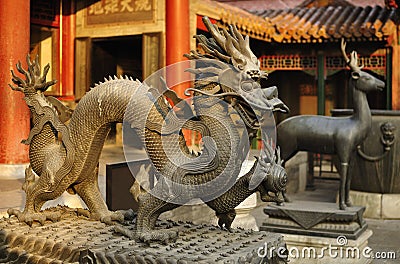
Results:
<point x="317" y="24"/>
<point x="309" y="22"/>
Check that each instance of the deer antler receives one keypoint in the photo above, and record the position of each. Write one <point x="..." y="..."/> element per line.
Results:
<point x="352" y="62"/>
<point x="33" y="81"/>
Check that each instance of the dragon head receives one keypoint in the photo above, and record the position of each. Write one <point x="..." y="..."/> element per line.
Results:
<point x="229" y="62"/>
<point x="34" y="84"/>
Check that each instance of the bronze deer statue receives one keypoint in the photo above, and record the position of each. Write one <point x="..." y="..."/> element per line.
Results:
<point x="333" y="135"/>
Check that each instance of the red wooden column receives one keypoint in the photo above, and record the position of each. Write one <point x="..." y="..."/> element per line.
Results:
<point x="14" y="46"/>
<point x="178" y="43"/>
<point x="177" y="39"/>
<point x="68" y="50"/>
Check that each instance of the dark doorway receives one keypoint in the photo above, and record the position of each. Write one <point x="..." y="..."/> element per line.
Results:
<point x="118" y="56"/>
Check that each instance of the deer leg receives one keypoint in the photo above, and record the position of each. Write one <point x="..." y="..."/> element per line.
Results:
<point x="343" y="180"/>
<point x="347" y="189"/>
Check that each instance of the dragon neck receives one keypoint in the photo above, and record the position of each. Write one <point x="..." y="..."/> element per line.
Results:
<point x="43" y="133"/>
<point x="235" y="195"/>
<point x="214" y="114"/>
<point x="240" y="191"/>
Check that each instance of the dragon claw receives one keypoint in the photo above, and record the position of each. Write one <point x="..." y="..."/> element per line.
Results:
<point x="149" y="236"/>
<point x="30" y="217"/>
<point x="112" y="216"/>
<point x="163" y="237"/>
<point x="109" y="217"/>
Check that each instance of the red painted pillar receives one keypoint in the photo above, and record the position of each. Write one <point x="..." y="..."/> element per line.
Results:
<point x="178" y="43"/>
<point x="68" y="50"/>
<point x="14" y="46"/>
<point x="177" y="39"/>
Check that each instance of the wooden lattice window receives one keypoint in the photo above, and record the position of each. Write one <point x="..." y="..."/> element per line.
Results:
<point x="369" y="62"/>
<point x="288" y="62"/>
<point x="375" y="62"/>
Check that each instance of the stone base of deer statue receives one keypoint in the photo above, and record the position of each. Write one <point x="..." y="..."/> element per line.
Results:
<point x="319" y="226"/>
<point x="315" y="219"/>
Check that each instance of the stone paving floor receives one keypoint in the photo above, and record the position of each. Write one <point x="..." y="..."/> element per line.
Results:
<point x="385" y="238"/>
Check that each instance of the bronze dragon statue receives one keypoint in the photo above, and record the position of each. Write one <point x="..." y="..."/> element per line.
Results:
<point x="65" y="154"/>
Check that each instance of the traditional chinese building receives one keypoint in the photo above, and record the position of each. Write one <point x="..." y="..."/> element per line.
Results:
<point x="297" y="43"/>
<point x="301" y="49"/>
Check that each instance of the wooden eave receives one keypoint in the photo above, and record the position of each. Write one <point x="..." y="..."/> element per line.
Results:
<point x="247" y="23"/>
<point x="329" y="24"/>
<point x="306" y="25"/>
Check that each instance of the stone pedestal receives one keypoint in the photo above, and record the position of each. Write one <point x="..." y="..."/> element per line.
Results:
<point x="77" y="240"/>
<point x="378" y="205"/>
<point x="315" y="218"/>
<point x="243" y="217"/>
<point x="325" y="250"/>
<point x="317" y="232"/>
<point x="297" y="170"/>
<point x="13" y="171"/>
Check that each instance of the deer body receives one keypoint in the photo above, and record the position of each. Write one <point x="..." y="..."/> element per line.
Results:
<point x="324" y="134"/>
<point x="333" y="135"/>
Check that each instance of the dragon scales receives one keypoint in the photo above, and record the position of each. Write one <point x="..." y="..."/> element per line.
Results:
<point x="65" y="155"/>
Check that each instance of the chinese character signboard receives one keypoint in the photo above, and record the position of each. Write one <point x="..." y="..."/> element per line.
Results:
<point x="119" y="11"/>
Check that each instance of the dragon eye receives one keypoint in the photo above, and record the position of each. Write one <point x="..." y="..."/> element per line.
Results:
<point x="247" y="86"/>
<point x="240" y="67"/>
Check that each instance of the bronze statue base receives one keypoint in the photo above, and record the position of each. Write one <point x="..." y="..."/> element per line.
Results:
<point x="75" y="239"/>
<point x="315" y="219"/>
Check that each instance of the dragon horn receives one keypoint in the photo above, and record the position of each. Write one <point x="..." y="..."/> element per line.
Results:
<point x="278" y="153"/>
<point x="268" y="151"/>
<point x="214" y="31"/>
<point x="243" y="43"/>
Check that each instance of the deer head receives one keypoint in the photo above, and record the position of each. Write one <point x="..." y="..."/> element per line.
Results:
<point x="361" y="80"/>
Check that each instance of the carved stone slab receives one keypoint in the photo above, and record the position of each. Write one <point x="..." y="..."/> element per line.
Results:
<point x="78" y="240"/>
<point x="315" y="219"/>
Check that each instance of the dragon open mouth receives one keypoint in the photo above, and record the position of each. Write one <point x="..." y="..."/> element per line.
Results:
<point x="252" y="107"/>
<point x="265" y="99"/>
<point x="248" y="116"/>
